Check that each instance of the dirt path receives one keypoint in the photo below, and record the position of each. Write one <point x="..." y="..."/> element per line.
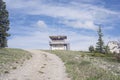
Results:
<point x="42" y="66"/>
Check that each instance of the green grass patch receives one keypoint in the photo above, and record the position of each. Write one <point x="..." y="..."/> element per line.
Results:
<point x="107" y="57"/>
<point x="85" y="63"/>
<point x="80" y="68"/>
<point x="10" y="58"/>
<point x="100" y="55"/>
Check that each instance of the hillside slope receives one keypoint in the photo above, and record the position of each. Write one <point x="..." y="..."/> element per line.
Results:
<point x="82" y="66"/>
<point x="10" y="59"/>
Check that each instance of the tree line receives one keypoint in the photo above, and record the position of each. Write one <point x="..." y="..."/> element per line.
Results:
<point x="100" y="47"/>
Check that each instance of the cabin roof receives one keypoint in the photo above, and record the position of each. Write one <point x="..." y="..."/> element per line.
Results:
<point x="58" y="37"/>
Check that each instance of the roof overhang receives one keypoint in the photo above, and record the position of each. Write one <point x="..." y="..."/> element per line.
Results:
<point x="58" y="37"/>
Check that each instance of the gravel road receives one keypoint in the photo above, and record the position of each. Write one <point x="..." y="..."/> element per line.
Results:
<point x="42" y="66"/>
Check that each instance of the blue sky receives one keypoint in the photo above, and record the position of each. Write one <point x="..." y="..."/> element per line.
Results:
<point x="33" y="21"/>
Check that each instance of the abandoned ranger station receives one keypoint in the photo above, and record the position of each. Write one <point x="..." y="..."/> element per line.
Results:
<point x="59" y="43"/>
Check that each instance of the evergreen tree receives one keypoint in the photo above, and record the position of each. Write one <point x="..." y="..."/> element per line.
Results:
<point x="4" y="24"/>
<point x="100" y="43"/>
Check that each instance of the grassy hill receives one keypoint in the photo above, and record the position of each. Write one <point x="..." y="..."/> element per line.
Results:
<point x="84" y="66"/>
<point x="11" y="58"/>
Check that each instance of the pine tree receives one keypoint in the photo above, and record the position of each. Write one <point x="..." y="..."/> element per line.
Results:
<point x="100" y="43"/>
<point x="4" y="24"/>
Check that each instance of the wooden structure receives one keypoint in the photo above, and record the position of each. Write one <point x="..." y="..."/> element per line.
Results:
<point x="59" y="43"/>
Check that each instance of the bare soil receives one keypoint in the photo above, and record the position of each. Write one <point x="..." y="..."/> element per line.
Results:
<point x="42" y="66"/>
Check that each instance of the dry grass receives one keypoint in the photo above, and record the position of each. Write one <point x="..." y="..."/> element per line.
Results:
<point x="11" y="58"/>
<point x="81" y="66"/>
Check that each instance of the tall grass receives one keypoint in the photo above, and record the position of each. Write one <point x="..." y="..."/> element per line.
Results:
<point x="10" y="58"/>
<point x="80" y="68"/>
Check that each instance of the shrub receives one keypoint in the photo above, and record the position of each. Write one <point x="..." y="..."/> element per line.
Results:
<point x="106" y="50"/>
<point x="82" y="55"/>
<point x="91" y="48"/>
<point x="117" y="57"/>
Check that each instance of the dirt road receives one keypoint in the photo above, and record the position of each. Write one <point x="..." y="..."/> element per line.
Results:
<point x="42" y="66"/>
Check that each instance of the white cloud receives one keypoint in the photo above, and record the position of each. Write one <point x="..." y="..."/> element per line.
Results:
<point x="41" y="24"/>
<point x="79" y="24"/>
<point x="84" y="15"/>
